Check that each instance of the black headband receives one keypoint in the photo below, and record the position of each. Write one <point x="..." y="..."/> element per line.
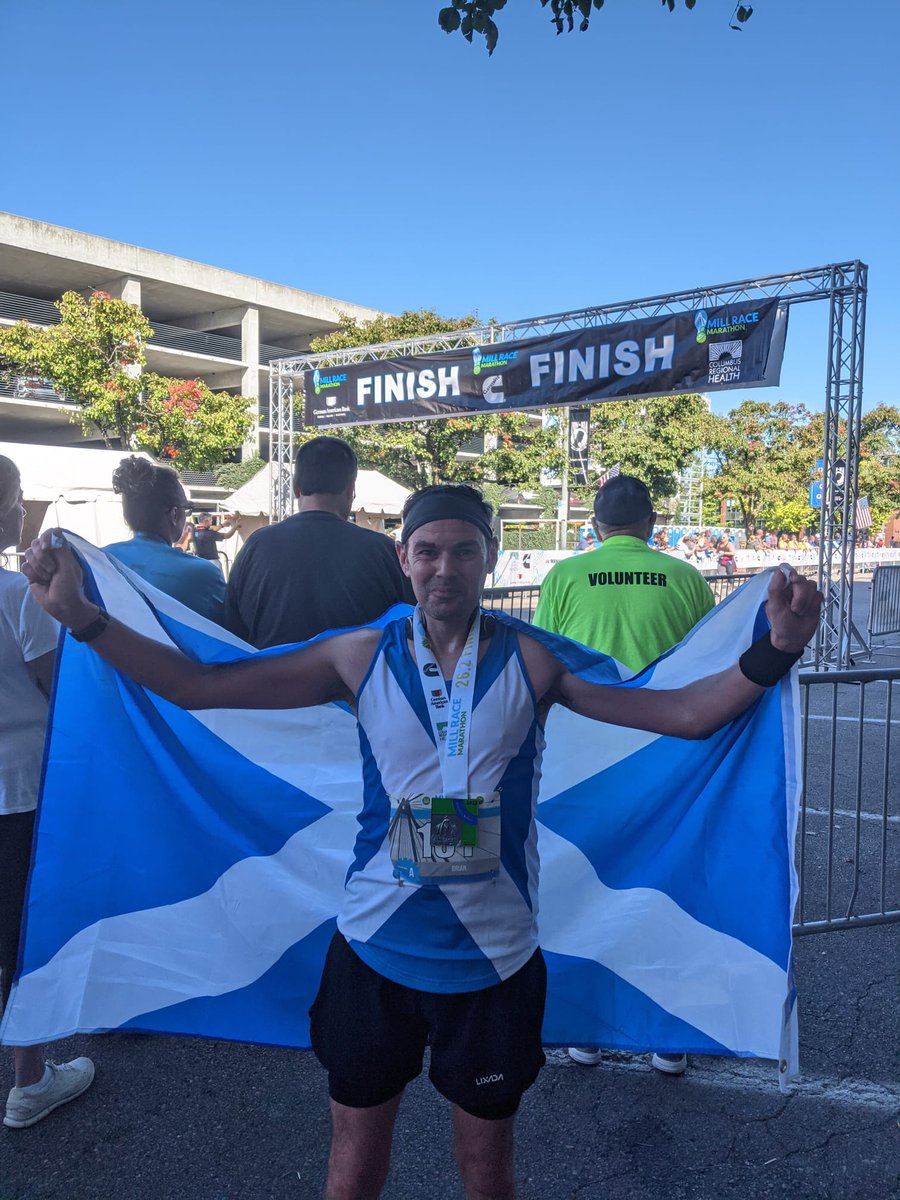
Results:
<point x="446" y="506"/>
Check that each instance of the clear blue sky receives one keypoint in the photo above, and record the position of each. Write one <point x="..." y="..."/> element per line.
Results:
<point x="352" y="148"/>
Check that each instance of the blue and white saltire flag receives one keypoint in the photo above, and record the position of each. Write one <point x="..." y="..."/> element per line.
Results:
<point x="188" y="866"/>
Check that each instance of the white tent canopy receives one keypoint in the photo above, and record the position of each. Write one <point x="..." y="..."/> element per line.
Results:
<point x="71" y="487"/>
<point x="376" y="495"/>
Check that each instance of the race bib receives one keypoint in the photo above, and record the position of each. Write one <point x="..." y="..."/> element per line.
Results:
<point x="437" y="838"/>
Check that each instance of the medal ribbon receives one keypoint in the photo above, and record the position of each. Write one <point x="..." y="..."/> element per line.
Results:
<point x="451" y="736"/>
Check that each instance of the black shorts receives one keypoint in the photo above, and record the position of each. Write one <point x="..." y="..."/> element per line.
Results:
<point x="370" y="1035"/>
<point x="16" y="833"/>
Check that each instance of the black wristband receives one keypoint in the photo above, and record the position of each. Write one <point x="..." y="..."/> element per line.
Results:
<point x="763" y="664"/>
<point x="94" y="629"/>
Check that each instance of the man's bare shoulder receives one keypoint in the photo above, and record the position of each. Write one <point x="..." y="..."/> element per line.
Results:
<point x="352" y="654"/>
<point x="357" y="639"/>
<point x="544" y="669"/>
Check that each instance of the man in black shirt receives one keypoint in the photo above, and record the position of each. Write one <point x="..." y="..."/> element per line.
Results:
<point x="206" y="536"/>
<point x="314" y="571"/>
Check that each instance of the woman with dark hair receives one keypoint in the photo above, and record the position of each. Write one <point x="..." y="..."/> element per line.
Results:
<point x="155" y="507"/>
<point x="27" y="649"/>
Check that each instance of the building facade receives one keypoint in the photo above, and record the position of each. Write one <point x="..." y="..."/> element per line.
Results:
<point x="208" y="323"/>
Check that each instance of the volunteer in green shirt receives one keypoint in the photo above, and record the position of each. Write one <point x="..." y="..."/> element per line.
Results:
<point x="630" y="602"/>
<point x="624" y="599"/>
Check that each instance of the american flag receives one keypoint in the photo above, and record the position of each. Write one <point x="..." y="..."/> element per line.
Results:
<point x="863" y="513"/>
<point x="608" y="475"/>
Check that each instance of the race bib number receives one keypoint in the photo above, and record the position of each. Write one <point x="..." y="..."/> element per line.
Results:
<point x="437" y="838"/>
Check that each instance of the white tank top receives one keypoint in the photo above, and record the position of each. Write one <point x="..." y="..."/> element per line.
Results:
<point x="448" y="933"/>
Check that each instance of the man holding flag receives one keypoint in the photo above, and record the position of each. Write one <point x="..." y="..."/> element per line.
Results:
<point x="437" y="939"/>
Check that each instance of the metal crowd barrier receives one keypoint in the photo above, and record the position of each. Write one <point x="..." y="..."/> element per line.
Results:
<point x="724" y="585"/>
<point x="520" y="600"/>
<point x="884" y="603"/>
<point x="848" y="836"/>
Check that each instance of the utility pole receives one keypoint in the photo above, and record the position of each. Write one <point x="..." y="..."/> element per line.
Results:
<point x="563" y="512"/>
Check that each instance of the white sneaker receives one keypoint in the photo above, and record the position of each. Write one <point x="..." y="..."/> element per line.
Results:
<point x="587" y="1056"/>
<point x="28" y="1105"/>
<point x="670" y="1064"/>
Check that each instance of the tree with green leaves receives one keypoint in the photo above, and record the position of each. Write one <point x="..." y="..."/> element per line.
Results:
<point x="234" y="475"/>
<point x="186" y="423"/>
<point x="472" y="17"/>
<point x="763" y="454"/>
<point x="766" y="454"/>
<point x="416" y="453"/>
<point x="879" y="462"/>
<point x="95" y="357"/>
<point x="416" y="322"/>
<point x="791" y="515"/>
<point x="653" y="439"/>
<point x="879" y="458"/>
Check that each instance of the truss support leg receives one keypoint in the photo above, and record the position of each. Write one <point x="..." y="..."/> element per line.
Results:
<point x="843" y="416"/>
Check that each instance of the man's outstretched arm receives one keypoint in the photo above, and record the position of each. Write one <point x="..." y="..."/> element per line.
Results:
<point x="306" y="677"/>
<point x="698" y="709"/>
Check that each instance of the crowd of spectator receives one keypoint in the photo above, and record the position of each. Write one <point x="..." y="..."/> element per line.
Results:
<point x="706" y="547"/>
<point x="702" y="547"/>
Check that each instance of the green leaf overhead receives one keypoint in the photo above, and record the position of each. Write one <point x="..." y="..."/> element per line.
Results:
<point x="472" y="17"/>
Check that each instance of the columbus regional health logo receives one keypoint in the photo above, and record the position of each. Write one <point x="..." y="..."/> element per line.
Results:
<point x="725" y="361"/>
<point x="492" y="360"/>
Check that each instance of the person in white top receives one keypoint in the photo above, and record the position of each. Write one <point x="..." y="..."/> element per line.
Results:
<point x="27" y="648"/>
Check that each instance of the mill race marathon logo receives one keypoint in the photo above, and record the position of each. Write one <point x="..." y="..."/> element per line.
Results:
<point x="725" y="356"/>
<point x="492" y="360"/>
<point x="727" y="325"/>
<point x="323" y="383"/>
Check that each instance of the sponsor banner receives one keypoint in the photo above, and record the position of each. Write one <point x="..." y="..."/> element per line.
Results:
<point x="579" y="439"/>
<point x="815" y="484"/>
<point x="701" y="351"/>
<point x="548" y="478"/>
<point x="530" y="567"/>
<point x="525" y="567"/>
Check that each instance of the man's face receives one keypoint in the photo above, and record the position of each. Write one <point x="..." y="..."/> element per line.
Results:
<point x="447" y="562"/>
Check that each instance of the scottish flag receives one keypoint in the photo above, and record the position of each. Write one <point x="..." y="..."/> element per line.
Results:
<point x="188" y="867"/>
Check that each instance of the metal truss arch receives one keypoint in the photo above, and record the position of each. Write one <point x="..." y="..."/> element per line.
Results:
<point x="842" y="284"/>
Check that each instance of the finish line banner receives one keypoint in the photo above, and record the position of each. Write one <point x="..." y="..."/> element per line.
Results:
<point x="702" y="351"/>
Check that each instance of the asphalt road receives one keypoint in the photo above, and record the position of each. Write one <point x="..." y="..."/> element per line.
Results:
<point x="169" y="1119"/>
<point x="181" y="1119"/>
